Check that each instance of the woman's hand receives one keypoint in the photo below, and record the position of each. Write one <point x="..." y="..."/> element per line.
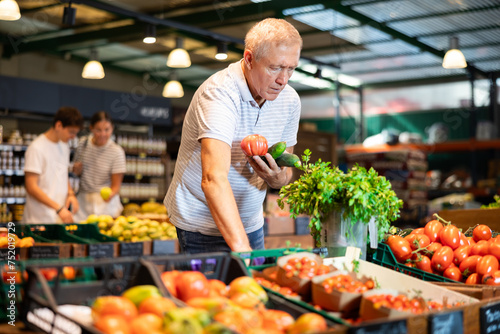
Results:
<point x="78" y="168"/>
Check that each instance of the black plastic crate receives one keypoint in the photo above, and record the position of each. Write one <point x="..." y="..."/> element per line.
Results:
<point x="39" y="309"/>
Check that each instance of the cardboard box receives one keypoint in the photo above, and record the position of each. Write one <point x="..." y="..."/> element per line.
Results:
<point x="335" y="301"/>
<point x="471" y="217"/>
<point x="274" y="225"/>
<point x="368" y="311"/>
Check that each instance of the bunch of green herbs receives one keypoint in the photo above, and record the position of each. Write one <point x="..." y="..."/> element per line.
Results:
<point x="360" y="194"/>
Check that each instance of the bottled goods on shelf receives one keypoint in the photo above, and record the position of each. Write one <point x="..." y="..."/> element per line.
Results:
<point x="139" y="191"/>
<point x="142" y="144"/>
<point x="145" y="166"/>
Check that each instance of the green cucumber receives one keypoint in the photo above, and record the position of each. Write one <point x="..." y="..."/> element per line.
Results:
<point x="277" y="149"/>
<point x="288" y="160"/>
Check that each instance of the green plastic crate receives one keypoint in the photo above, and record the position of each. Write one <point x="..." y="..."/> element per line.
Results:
<point x="264" y="258"/>
<point x="53" y="233"/>
<point x="89" y="232"/>
<point x="383" y="256"/>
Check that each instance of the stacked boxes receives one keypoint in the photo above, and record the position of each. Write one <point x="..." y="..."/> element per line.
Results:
<point x="406" y="170"/>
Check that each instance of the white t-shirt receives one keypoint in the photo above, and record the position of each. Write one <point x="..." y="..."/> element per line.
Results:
<point x="51" y="162"/>
<point x="224" y="109"/>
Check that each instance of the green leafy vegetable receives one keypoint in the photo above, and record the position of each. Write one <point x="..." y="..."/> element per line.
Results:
<point x="360" y="193"/>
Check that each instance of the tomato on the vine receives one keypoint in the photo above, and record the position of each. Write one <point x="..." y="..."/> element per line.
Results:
<point x="432" y="229"/>
<point x="487" y="265"/>
<point x="494" y="249"/>
<point x="481" y="232"/>
<point x="254" y="145"/>
<point x="400" y="247"/>
<point x="424" y="263"/>
<point x="460" y="254"/>
<point x="442" y="258"/>
<point x="450" y="236"/>
<point x="480" y="248"/>
<point x="492" y="278"/>
<point x="453" y="273"/>
<point x="474" y="278"/>
<point x="419" y="230"/>
<point x="470" y="263"/>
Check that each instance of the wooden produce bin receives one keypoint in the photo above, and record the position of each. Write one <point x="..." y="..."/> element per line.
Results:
<point x="470" y="217"/>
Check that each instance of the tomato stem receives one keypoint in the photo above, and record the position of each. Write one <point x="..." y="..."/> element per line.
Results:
<point x="442" y="219"/>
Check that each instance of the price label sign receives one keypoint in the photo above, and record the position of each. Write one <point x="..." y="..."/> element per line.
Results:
<point x="489" y="316"/>
<point x="394" y="327"/>
<point x="447" y="323"/>
<point x="131" y="248"/>
<point x="101" y="250"/>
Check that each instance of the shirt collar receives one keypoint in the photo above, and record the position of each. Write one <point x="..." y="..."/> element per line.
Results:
<point x="236" y="70"/>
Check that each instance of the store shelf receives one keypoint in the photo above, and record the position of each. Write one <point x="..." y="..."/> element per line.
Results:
<point x="10" y="147"/>
<point x="11" y="172"/>
<point x="12" y="200"/>
<point x="452" y="146"/>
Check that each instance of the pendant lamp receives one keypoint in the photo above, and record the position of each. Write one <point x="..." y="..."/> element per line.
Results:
<point x="178" y="58"/>
<point x="9" y="10"/>
<point x="173" y="89"/>
<point x="454" y="58"/>
<point x="93" y="68"/>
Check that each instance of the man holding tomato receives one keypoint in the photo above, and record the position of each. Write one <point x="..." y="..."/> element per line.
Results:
<point x="216" y="195"/>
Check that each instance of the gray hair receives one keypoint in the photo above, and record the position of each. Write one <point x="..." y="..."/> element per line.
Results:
<point x="270" y="32"/>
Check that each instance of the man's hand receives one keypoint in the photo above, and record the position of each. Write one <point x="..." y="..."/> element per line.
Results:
<point x="66" y="215"/>
<point x="71" y="200"/>
<point x="275" y="176"/>
<point x="78" y="168"/>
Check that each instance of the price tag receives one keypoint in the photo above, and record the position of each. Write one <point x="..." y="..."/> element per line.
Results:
<point x="131" y="248"/>
<point x="447" y="323"/>
<point x="44" y="252"/>
<point x="161" y="247"/>
<point x="394" y="327"/>
<point x="101" y="250"/>
<point x="489" y="316"/>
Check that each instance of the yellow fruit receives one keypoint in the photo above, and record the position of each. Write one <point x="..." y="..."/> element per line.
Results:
<point x="105" y="193"/>
<point x="92" y="219"/>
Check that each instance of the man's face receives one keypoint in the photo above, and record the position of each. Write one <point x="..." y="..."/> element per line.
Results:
<point x="67" y="133"/>
<point x="269" y="75"/>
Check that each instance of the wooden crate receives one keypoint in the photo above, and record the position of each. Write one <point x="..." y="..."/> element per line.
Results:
<point x="470" y="217"/>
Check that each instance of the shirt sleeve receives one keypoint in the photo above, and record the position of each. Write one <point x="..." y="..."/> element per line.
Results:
<point x="217" y="115"/>
<point x="33" y="160"/>
<point x="119" y="163"/>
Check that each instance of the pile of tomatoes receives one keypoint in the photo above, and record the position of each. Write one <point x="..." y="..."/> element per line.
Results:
<point x="345" y="283"/>
<point x="444" y="250"/>
<point x="304" y="267"/>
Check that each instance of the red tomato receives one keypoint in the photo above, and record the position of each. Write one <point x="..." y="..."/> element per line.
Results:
<point x="254" y="145"/>
<point x="400" y="248"/>
<point x="433" y="247"/>
<point x="460" y="254"/>
<point x="481" y="232"/>
<point x="424" y="263"/>
<point x="168" y="279"/>
<point x="419" y="230"/>
<point x="190" y="284"/>
<point x="494" y="249"/>
<point x="417" y="240"/>
<point x="432" y="230"/>
<point x="463" y="240"/>
<point x="469" y="263"/>
<point x="480" y="248"/>
<point x="487" y="265"/>
<point x="474" y="278"/>
<point x="492" y="279"/>
<point x="453" y="273"/>
<point x="442" y="258"/>
<point x="450" y="236"/>
<point x="471" y="241"/>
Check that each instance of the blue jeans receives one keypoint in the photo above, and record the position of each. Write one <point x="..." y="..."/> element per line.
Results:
<point x="194" y="242"/>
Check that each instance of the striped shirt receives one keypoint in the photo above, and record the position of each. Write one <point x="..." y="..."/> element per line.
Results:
<point x="223" y="108"/>
<point x="99" y="162"/>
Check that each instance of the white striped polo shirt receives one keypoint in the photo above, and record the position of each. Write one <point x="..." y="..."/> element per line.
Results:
<point x="223" y="108"/>
<point x="99" y="162"/>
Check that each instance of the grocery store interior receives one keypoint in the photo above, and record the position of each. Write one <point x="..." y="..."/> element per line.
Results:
<point x="378" y="88"/>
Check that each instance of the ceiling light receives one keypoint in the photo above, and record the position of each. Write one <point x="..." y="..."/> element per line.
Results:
<point x="93" y="68"/>
<point x="221" y="51"/>
<point x="178" y="58"/>
<point x="173" y="89"/>
<point x="69" y="15"/>
<point x="454" y="58"/>
<point x="150" y="34"/>
<point x="9" y="10"/>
